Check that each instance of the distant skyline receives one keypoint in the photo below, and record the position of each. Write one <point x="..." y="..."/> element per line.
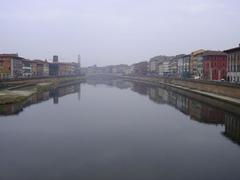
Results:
<point x="116" y="31"/>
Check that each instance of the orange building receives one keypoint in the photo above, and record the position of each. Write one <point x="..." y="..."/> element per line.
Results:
<point x="5" y="67"/>
<point x="67" y="69"/>
<point x="10" y="66"/>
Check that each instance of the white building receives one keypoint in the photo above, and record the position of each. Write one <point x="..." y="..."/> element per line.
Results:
<point x="27" y="68"/>
<point x="164" y="68"/>
<point x="154" y="63"/>
<point x="233" y="64"/>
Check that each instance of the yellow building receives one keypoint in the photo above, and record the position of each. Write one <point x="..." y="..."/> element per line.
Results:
<point x="196" y="64"/>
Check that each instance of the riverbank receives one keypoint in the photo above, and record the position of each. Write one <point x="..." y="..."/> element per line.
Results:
<point x="18" y="91"/>
<point x="227" y="93"/>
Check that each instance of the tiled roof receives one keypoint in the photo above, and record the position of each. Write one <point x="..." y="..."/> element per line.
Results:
<point x="213" y="53"/>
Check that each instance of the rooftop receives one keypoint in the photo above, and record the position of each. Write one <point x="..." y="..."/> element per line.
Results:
<point x="232" y="49"/>
<point x="160" y="58"/>
<point x="11" y="55"/>
<point x="213" y="53"/>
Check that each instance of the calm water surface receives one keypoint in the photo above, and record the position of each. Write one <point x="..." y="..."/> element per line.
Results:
<point x="117" y="130"/>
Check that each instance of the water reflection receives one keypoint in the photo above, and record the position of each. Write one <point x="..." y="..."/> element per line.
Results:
<point x="232" y="127"/>
<point x="55" y="94"/>
<point x="110" y="82"/>
<point x="195" y="107"/>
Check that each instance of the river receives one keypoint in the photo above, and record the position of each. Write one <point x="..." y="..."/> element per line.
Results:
<point x="114" y="129"/>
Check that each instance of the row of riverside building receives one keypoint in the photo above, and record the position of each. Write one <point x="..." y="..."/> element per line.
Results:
<point x="13" y="66"/>
<point x="200" y="64"/>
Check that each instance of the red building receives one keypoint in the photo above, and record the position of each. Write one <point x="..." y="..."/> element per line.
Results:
<point x="214" y="65"/>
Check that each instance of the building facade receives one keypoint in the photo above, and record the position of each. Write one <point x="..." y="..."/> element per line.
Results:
<point x="233" y="64"/>
<point x="62" y="69"/>
<point x="180" y="65"/>
<point x="55" y="59"/>
<point x="53" y="69"/>
<point x="155" y="61"/>
<point x="27" y="68"/>
<point x="196" y="64"/>
<point x="34" y="68"/>
<point x="153" y="65"/>
<point x="67" y="69"/>
<point x="141" y="68"/>
<point x="214" y="65"/>
<point x="173" y="66"/>
<point x="183" y="66"/>
<point x="45" y="68"/>
<point x="11" y="66"/>
<point x="16" y="67"/>
<point x="119" y="69"/>
<point x="130" y="70"/>
<point x="164" y="68"/>
<point x="5" y="66"/>
<point x="39" y="68"/>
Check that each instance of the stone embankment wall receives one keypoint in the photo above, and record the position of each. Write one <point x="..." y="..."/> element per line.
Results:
<point x="220" y="88"/>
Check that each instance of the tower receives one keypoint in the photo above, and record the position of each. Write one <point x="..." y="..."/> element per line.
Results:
<point x="79" y="61"/>
<point x="55" y="59"/>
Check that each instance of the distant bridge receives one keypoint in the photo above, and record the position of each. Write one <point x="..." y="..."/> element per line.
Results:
<point x="102" y="75"/>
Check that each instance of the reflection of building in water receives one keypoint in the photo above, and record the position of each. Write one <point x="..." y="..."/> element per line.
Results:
<point x="212" y="115"/>
<point x="178" y="101"/>
<point x="158" y="95"/>
<point x="55" y="96"/>
<point x="10" y="109"/>
<point x="140" y="88"/>
<point x="205" y="114"/>
<point x="59" y="92"/>
<point x="121" y="84"/>
<point x="36" y="98"/>
<point x="198" y="111"/>
<point x="18" y="107"/>
<point x="182" y="104"/>
<point x="172" y="98"/>
<point x="232" y="127"/>
<point x="163" y="95"/>
<point x="153" y="94"/>
<point x="78" y="92"/>
<point x="195" y="110"/>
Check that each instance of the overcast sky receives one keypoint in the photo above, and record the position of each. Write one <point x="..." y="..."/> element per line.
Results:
<point x="116" y="31"/>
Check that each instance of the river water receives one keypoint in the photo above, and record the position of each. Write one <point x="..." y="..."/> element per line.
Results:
<point x="115" y="129"/>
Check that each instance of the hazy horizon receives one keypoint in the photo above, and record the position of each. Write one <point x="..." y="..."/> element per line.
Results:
<point x="116" y="31"/>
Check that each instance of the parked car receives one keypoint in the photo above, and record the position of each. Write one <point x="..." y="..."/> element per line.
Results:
<point x="196" y="77"/>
